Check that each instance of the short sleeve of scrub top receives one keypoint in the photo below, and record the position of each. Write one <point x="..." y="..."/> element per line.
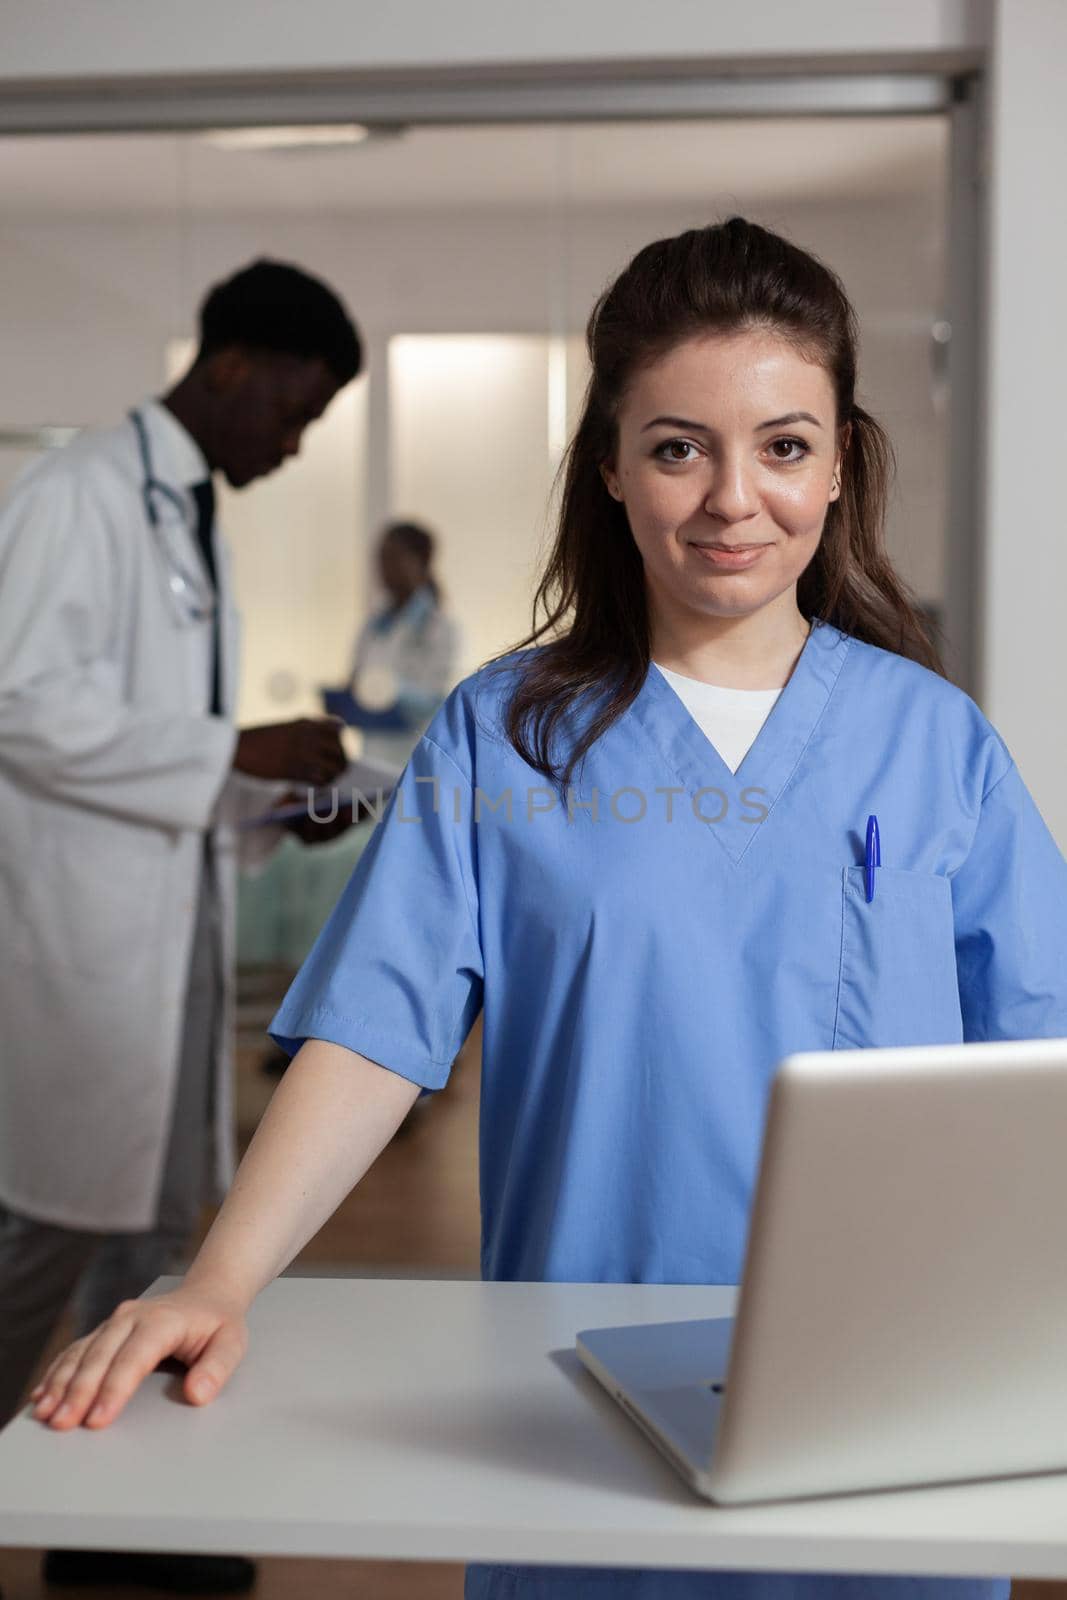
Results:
<point x="396" y="973"/>
<point x="1009" y="904"/>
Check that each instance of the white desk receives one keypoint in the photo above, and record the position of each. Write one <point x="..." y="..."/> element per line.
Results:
<point x="452" y="1422"/>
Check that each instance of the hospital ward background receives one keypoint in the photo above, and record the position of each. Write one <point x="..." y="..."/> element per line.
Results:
<point x="469" y="255"/>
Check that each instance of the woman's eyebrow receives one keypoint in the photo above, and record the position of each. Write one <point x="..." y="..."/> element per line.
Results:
<point x="702" y="427"/>
<point x="790" y="417"/>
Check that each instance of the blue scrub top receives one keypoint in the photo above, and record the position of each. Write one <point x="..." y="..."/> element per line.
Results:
<point x="646" y="954"/>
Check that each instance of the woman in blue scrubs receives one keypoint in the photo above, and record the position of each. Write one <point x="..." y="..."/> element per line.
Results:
<point x="637" y="841"/>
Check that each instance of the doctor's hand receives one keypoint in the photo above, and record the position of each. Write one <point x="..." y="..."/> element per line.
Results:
<point x="93" y="1379"/>
<point x="306" y="751"/>
<point x="330" y="816"/>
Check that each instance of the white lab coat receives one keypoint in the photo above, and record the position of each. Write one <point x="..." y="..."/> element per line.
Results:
<point x="111" y="770"/>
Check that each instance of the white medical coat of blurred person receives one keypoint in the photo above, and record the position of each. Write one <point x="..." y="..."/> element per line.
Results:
<point x="123" y="782"/>
<point x="111" y="772"/>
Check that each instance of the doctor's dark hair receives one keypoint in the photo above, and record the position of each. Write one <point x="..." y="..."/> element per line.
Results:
<point x="725" y="279"/>
<point x="272" y="305"/>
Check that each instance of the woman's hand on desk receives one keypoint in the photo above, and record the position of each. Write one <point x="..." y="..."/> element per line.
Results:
<point x="93" y="1379"/>
<point x="331" y="1116"/>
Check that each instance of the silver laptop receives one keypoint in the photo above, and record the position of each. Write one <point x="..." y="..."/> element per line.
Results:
<point x="903" y="1314"/>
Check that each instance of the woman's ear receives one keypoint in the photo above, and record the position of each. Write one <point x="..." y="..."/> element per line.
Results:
<point x="839" y="462"/>
<point x="611" y="481"/>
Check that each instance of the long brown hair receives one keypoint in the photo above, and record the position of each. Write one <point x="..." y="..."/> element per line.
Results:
<point x="725" y="278"/>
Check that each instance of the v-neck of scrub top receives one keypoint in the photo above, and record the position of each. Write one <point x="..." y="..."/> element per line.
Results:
<point x="773" y="758"/>
<point x="730" y="718"/>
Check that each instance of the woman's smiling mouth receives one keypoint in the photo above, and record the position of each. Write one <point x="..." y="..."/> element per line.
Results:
<point x="732" y="558"/>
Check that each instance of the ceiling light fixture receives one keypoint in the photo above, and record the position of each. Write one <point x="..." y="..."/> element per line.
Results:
<point x="324" y="136"/>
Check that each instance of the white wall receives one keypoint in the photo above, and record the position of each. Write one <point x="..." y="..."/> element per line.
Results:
<point x="470" y="458"/>
<point x="297" y="541"/>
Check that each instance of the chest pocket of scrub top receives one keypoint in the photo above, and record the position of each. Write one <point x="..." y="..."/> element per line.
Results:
<point x="897" y="982"/>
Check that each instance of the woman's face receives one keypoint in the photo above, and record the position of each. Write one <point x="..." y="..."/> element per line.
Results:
<point x="726" y="463"/>
<point x="401" y="569"/>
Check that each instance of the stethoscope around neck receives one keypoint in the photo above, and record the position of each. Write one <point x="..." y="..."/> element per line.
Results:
<point x="189" y="593"/>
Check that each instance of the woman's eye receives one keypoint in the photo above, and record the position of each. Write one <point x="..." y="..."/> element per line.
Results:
<point x="788" y="449"/>
<point x="676" y="450"/>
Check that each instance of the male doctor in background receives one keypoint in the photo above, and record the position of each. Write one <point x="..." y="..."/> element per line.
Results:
<point x="122" y="776"/>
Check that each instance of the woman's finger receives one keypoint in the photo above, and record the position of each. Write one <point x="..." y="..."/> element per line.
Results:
<point x="46" y="1393"/>
<point x="216" y="1363"/>
<point x="57" y="1362"/>
<point x="79" y="1368"/>
<point x="148" y="1344"/>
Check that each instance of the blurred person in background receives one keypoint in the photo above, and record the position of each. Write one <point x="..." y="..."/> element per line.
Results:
<point x="405" y="661"/>
<point x="123" y="781"/>
<point x="407" y="655"/>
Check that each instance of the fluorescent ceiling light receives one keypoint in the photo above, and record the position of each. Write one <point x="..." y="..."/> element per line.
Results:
<point x="328" y="135"/>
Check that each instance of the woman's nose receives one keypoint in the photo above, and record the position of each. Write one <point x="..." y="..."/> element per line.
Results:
<point x="731" y="494"/>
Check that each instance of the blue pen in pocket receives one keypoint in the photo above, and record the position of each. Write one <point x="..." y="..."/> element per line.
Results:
<point x="872" y="856"/>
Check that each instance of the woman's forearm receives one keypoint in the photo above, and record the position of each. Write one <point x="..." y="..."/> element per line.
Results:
<point x="332" y="1114"/>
